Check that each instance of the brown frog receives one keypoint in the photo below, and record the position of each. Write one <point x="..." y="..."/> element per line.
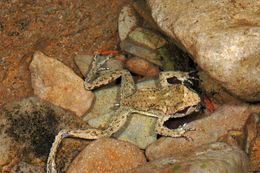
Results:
<point x="163" y="102"/>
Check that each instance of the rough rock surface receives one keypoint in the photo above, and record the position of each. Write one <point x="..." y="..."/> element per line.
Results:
<point x="107" y="155"/>
<point x="58" y="84"/>
<point x="223" y="37"/>
<point x="127" y="21"/>
<point x="147" y="38"/>
<point x="208" y="130"/>
<point x="27" y="130"/>
<point x="24" y="167"/>
<point x="210" y="158"/>
<point x="252" y="144"/>
<point x="137" y="50"/>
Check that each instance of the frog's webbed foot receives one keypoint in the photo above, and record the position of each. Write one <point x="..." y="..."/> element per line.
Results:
<point x="180" y="76"/>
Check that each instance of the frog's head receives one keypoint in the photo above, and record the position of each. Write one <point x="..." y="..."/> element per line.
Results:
<point x="181" y="99"/>
<point x="190" y="97"/>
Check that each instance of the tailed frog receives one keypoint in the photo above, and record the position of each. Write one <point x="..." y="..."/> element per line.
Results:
<point x="163" y="102"/>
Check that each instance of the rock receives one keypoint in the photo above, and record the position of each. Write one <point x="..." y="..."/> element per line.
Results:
<point x="58" y="84"/>
<point x="127" y="21"/>
<point x="224" y="41"/>
<point x="142" y="67"/>
<point x="168" y="61"/>
<point x="29" y="127"/>
<point x="83" y="62"/>
<point x="208" y="130"/>
<point x="24" y="167"/>
<point x="139" y="129"/>
<point x="210" y="158"/>
<point x="107" y="155"/>
<point x="252" y="131"/>
<point x="218" y="95"/>
<point x="147" y="38"/>
<point x="139" y="51"/>
<point x="143" y="10"/>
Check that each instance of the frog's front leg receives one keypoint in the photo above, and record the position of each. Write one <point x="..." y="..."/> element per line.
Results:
<point x="127" y="82"/>
<point x="96" y="66"/>
<point x="176" y="133"/>
<point x="181" y="76"/>
<point x="117" y="122"/>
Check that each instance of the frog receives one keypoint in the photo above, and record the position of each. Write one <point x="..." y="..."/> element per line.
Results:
<point x="162" y="102"/>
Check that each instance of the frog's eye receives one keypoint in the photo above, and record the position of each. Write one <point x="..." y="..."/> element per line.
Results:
<point x="173" y="80"/>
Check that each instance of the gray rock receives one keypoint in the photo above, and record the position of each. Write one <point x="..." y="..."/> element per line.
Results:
<point x="147" y="38"/>
<point x="29" y="127"/>
<point x="139" y="129"/>
<point x="143" y="10"/>
<point x="83" y="62"/>
<point x="210" y="158"/>
<point x="127" y="21"/>
<point x="222" y="36"/>
<point x="147" y="54"/>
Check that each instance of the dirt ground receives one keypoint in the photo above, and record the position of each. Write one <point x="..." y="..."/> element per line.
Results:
<point x="59" y="28"/>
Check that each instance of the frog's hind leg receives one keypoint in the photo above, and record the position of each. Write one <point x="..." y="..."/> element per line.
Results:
<point x="84" y="134"/>
<point x="117" y="122"/>
<point x="176" y="133"/>
<point x="181" y="76"/>
<point x="106" y="78"/>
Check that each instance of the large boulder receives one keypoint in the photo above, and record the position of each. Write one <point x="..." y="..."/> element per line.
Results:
<point x="223" y="37"/>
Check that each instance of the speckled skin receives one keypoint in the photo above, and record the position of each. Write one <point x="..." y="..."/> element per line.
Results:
<point x="162" y="102"/>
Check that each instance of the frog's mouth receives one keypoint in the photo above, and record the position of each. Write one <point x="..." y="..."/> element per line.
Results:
<point x="181" y="118"/>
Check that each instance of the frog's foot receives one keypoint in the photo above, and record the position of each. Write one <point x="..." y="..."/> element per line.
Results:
<point x="83" y="134"/>
<point x="185" y="129"/>
<point x="102" y="62"/>
<point x="180" y="76"/>
<point x="96" y="67"/>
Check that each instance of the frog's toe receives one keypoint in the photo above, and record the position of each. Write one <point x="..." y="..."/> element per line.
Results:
<point x="185" y="128"/>
<point x="102" y="61"/>
<point x="186" y="137"/>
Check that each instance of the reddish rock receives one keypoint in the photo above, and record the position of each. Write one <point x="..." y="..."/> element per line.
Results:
<point x="107" y="155"/>
<point x="142" y="67"/>
<point x="228" y="117"/>
<point x="58" y="84"/>
<point x="211" y="158"/>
